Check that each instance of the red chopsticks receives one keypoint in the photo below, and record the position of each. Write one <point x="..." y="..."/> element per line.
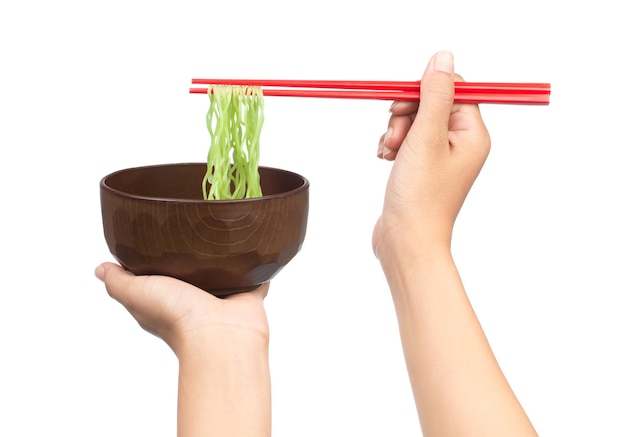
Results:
<point x="465" y="92"/>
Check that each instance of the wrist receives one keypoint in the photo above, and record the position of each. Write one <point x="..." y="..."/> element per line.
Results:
<point x="220" y="340"/>
<point x="398" y="242"/>
<point x="224" y="376"/>
<point x="411" y="255"/>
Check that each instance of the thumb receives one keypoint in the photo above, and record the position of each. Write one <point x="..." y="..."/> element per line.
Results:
<point x="436" y="98"/>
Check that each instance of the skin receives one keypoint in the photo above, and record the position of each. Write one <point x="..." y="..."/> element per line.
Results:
<point x="221" y="346"/>
<point x="438" y="149"/>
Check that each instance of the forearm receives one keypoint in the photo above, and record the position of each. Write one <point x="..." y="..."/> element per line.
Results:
<point x="224" y="388"/>
<point x="458" y="386"/>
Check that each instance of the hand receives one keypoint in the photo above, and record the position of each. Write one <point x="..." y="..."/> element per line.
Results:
<point x="439" y="149"/>
<point x="221" y="345"/>
<point x="180" y="313"/>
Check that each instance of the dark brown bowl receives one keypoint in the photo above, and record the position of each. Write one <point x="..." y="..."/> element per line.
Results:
<point x="157" y="223"/>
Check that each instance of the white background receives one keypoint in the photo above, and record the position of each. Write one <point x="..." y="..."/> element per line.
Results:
<point x="87" y="88"/>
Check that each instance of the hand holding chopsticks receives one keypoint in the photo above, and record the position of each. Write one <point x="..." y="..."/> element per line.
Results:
<point x="465" y="92"/>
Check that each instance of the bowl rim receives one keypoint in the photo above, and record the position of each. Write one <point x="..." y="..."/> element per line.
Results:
<point x="105" y="187"/>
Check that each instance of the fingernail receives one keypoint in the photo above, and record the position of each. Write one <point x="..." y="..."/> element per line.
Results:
<point x="100" y="272"/>
<point x="444" y="62"/>
<point x="386" y="151"/>
<point x="392" y="105"/>
<point x="379" y="152"/>
<point x="388" y="135"/>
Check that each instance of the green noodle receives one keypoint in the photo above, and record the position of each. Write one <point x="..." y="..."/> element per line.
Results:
<point x="234" y="120"/>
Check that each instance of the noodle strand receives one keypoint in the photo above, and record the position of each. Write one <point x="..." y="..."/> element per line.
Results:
<point x="234" y="121"/>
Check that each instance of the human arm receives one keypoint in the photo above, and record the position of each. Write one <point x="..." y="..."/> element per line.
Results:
<point x="438" y="149"/>
<point x="221" y="346"/>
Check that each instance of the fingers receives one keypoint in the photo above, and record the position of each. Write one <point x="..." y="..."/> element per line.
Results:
<point x="176" y="311"/>
<point x="402" y="116"/>
<point x="135" y="292"/>
<point x="116" y="280"/>
<point x="262" y="290"/>
<point x="436" y="99"/>
<point x="401" y="107"/>
<point x="125" y="288"/>
<point x="145" y="297"/>
<point x="397" y="129"/>
<point x="258" y="293"/>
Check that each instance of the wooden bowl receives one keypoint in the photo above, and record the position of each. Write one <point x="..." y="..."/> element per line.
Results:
<point x="157" y="223"/>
